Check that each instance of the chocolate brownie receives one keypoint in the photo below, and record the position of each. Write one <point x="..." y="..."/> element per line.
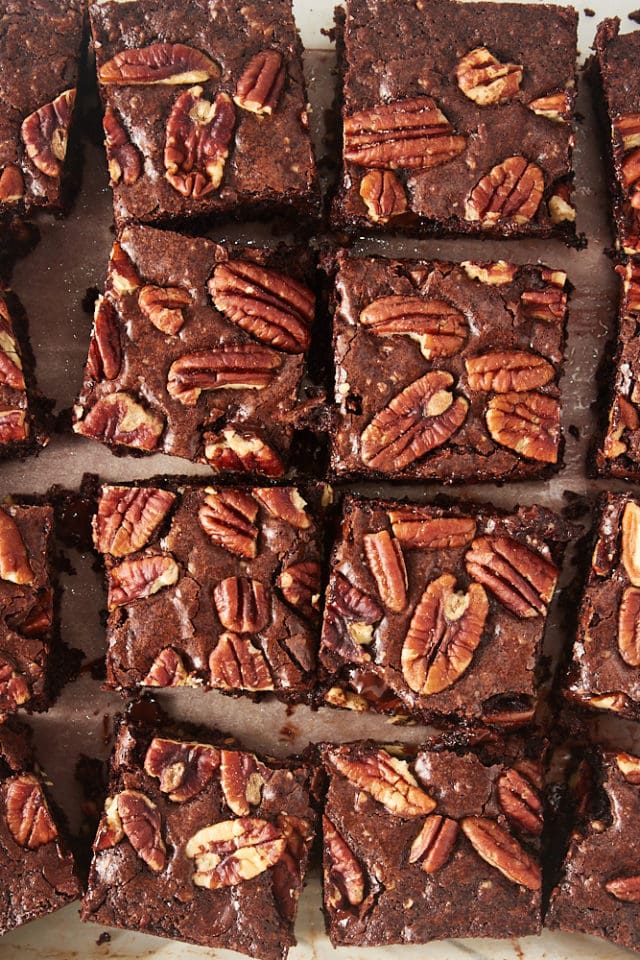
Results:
<point x="205" y="109"/>
<point x="442" y="610"/>
<point x="40" y="48"/>
<point x="212" y="587"/>
<point x="201" y="842"/>
<point x="23" y="409"/>
<point x="442" y="844"/>
<point x="37" y="871"/>
<point x="198" y="350"/>
<point x="446" y="371"/>
<point x="457" y="117"/>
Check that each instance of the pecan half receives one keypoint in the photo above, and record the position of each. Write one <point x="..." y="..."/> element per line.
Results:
<point x="528" y="423"/>
<point x="229" y="852"/>
<point x="495" y="274"/>
<point x="46" y="131"/>
<point x="629" y="767"/>
<point x="28" y="816"/>
<point x="521" y="579"/>
<point x="439" y="328"/>
<point x="11" y="184"/>
<point x="233" y="452"/>
<point x="387" y="779"/>
<point x="550" y="305"/>
<point x="386" y="562"/>
<point x="622" y="416"/>
<point x="14" y="562"/>
<point x="349" y="617"/>
<point x="142" y="827"/>
<point x="383" y="195"/>
<point x="110" y="831"/>
<point x="14" y="687"/>
<point x="434" y="844"/>
<point x="123" y="276"/>
<point x="105" y="349"/>
<point x="344" y="880"/>
<point x="183" y="769"/>
<point x="285" y="503"/>
<point x="499" y="849"/>
<point x="555" y="106"/>
<point x="227" y="517"/>
<point x="299" y="584"/>
<point x="125" y="160"/>
<point x="164" y="307"/>
<point x="444" y="632"/>
<point x="629" y="627"/>
<point x="235" y="664"/>
<point x="626" y="889"/>
<point x="11" y="374"/>
<point x="271" y="306"/>
<point x="259" y="88"/>
<point x="630" y="551"/>
<point x="197" y="146"/>
<point x="483" y="79"/>
<point x="128" y="517"/>
<point x="242" y="778"/>
<point x="519" y="796"/>
<point x="119" y="418"/>
<point x="167" y="670"/>
<point x="412" y="134"/>
<point x="14" y="425"/>
<point x="243" y="605"/>
<point x="431" y="533"/>
<point x="242" y="366"/>
<point x="505" y="371"/>
<point x="512" y="190"/>
<point x="141" y="577"/>
<point x="164" y="63"/>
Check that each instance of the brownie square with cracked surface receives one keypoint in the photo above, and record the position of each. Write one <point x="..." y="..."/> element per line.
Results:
<point x="440" y="844"/>
<point x="198" y="350"/>
<point x="201" y="842"/>
<point x="205" y="109"/>
<point x="212" y="587"/>
<point x="439" y="613"/>
<point x="40" y="49"/>
<point x="446" y="371"/>
<point x="457" y="117"/>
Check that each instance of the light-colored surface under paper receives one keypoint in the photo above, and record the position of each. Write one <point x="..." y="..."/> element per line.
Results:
<point x="52" y="282"/>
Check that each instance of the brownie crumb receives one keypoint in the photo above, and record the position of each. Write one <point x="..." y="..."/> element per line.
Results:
<point x="574" y="431"/>
<point x="103" y="938"/>
<point x="634" y="15"/>
<point x="588" y="12"/>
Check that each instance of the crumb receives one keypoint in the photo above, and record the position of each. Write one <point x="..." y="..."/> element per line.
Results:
<point x="588" y="12"/>
<point x="635" y="16"/>
<point x="574" y="431"/>
<point x="103" y="938"/>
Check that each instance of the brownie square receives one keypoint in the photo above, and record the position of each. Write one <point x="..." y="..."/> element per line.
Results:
<point x="40" y="48"/>
<point x="201" y="842"/>
<point x="457" y="117"/>
<point x="446" y="371"/>
<point x="439" y="613"/>
<point x="199" y="351"/>
<point x="216" y="588"/>
<point x="23" y="409"/>
<point x="427" y="847"/>
<point x="37" y="870"/>
<point x="205" y="109"/>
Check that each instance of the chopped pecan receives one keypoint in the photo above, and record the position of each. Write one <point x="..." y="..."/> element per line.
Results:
<point x="629" y="767"/>
<point x="119" y="418"/>
<point x="164" y="307"/>
<point x="227" y="517"/>
<point x="14" y="687"/>
<point x="128" y="517"/>
<point x="483" y="79"/>
<point x="439" y="328"/>
<point x="125" y="160"/>
<point x="528" y="423"/>
<point x="229" y="852"/>
<point x="512" y="190"/>
<point x="14" y="562"/>
<point x="626" y="889"/>
<point x="504" y="371"/>
<point x="630" y="174"/>
<point x="183" y="768"/>
<point x="167" y="670"/>
<point x="28" y="816"/>
<point x="560" y="208"/>
<point x="14" y="425"/>
<point x="519" y="796"/>
<point x="242" y="366"/>
<point x="164" y="63"/>
<point x="344" y="880"/>
<point x="259" y="88"/>
<point x="235" y="664"/>
<point x="271" y="306"/>
<point x="555" y="106"/>
<point x="46" y="131"/>
<point x="233" y="452"/>
<point x="616" y="702"/>
<point x="412" y="134"/>
<point x="285" y="503"/>
<point x="299" y="584"/>
<point x="142" y="827"/>
<point x="383" y="195"/>
<point x="546" y="304"/>
<point x="242" y="778"/>
<point x="499" y="849"/>
<point x="495" y="274"/>
<point x="434" y="844"/>
<point x="444" y="632"/>
<point x="141" y="577"/>
<point x="387" y="779"/>
<point x="105" y="350"/>
<point x="431" y="533"/>
<point x="386" y="562"/>
<point x="39" y="617"/>
<point x="197" y="146"/>
<point x="623" y="416"/>
<point x="420" y="418"/>
<point x="629" y="627"/>
<point x="122" y="273"/>
<point x="628" y="128"/>
<point x="521" y="578"/>
<point x="243" y="605"/>
<point x="630" y="551"/>
<point x="346" y="700"/>
<point x="11" y="184"/>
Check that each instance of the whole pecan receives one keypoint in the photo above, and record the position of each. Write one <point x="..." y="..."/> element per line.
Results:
<point x="271" y="306"/>
<point x="259" y="88"/>
<point x="499" y="849"/>
<point x="630" y="550"/>
<point x="431" y="533"/>
<point x="629" y="627"/>
<point x="629" y="767"/>
<point x="28" y="816"/>
<point x="229" y="852"/>
<point x="519" y="796"/>
<point x="242" y="778"/>
<point x="512" y="190"/>
<point x="141" y="824"/>
<point x="548" y="304"/>
<point x="383" y="195"/>
<point x="554" y="106"/>
<point x="521" y="578"/>
<point x="242" y="366"/>
<point x="125" y="160"/>
<point x="626" y="889"/>
<point x="123" y="276"/>
<point x="483" y="79"/>
<point x="197" y="145"/>
<point x="344" y="880"/>
<point x="439" y="328"/>
<point x="183" y="769"/>
<point x="385" y="560"/>
<point x="235" y="664"/>
<point x="14" y="425"/>
<point x="384" y="777"/>
<point x="167" y="670"/>
<point x="164" y="307"/>
<point x="164" y="63"/>
<point x="443" y="635"/>
<point x="243" y="605"/>
<point x="14" y="561"/>
<point x="508" y="370"/>
<point x="299" y="584"/>
<point x="14" y="686"/>
<point x="119" y="418"/>
<point x="285" y="503"/>
<point x="528" y="423"/>
<point x="434" y="844"/>
<point x="420" y="418"/>
<point x="128" y="517"/>
<point x="246" y="452"/>
<point x="11" y="184"/>
<point x="105" y="349"/>
<point x="46" y="131"/>
<point x="141" y="577"/>
<point x="227" y="517"/>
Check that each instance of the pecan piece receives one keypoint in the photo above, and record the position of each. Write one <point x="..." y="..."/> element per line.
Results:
<point x="229" y="852"/>
<point x="434" y="844"/>
<point x="431" y="533"/>
<point x="110" y="831"/>
<point x="626" y="889"/>
<point x="386" y="562"/>
<point x="271" y="306"/>
<point x="505" y="371"/>
<point x="142" y="827"/>
<point x="519" y="796"/>
<point x="387" y="779"/>
<point x="242" y="366"/>
<point x="140" y="578"/>
<point x="39" y="618"/>
<point x="412" y="134"/>
<point x="46" y="131"/>
<point x="512" y="190"/>
<point x="14" y="687"/>
<point x="528" y="423"/>
<point x="629" y="767"/>
<point x="125" y="160"/>
<point x="28" y="816"/>
<point x="123" y="276"/>
<point x="197" y="146"/>
<point x="245" y="452"/>
<point x="555" y="106"/>
<point x="439" y="328"/>
<point x="495" y="274"/>
<point x="630" y="551"/>
<point x="242" y="778"/>
<point x="521" y="579"/>
<point x="128" y="517"/>
<point x="164" y="63"/>
<point x="14" y="425"/>
<point x="623" y="416"/>
<point x="344" y="879"/>
<point x="235" y="664"/>
<point x="105" y="350"/>
<point x="299" y="584"/>
<point x="483" y="79"/>
<point x="628" y="128"/>
<point x="164" y="307"/>
<point x="285" y="503"/>
<point x="499" y="849"/>
<point x="629" y="627"/>
<point x="349" y="617"/>
<point x="184" y="769"/>
<point x="444" y="632"/>
<point x="227" y="517"/>
<point x="259" y="88"/>
<point x="11" y="184"/>
<point x="383" y="195"/>
<point x="546" y="304"/>
<point x="243" y="605"/>
<point x="167" y="670"/>
<point x="14" y="562"/>
<point x="417" y="420"/>
<point x="10" y="360"/>
<point x="118" y="418"/>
